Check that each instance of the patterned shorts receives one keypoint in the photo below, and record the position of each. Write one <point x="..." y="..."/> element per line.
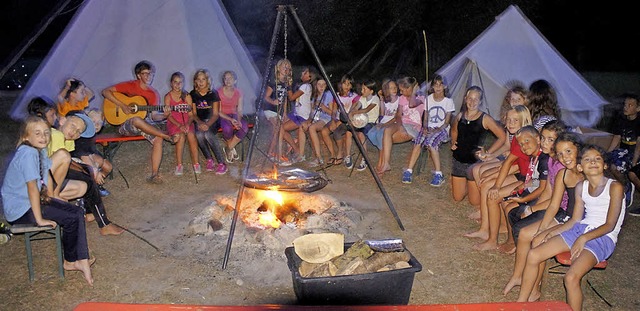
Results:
<point x="433" y="139"/>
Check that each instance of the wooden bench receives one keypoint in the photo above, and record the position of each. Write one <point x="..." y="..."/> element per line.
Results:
<point x="111" y="142"/>
<point x="34" y="232"/>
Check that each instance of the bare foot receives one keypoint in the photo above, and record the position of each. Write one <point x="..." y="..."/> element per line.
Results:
<point x="474" y="215"/>
<point x="477" y="234"/>
<point x="486" y="246"/>
<point x="111" y="229"/>
<point x="83" y="266"/>
<point x="510" y="285"/>
<point x="89" y="218"/>
<point x="534" y="296"/>
<point x="383" y="169"/>
<point x="507" y="248"/>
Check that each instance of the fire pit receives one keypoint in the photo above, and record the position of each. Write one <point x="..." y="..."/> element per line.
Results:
<point x="290" y="180"/>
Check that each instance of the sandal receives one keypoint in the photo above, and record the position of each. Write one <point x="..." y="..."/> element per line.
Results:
<point x="337" y="161"/>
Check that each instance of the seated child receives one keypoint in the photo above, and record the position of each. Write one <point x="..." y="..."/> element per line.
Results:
<point x="527" y="189"/>
<point x="72" y="127"/>
<point x="591" y="233"/>
<point x="86" y="151"/>
<point x="24" y="199"/>
<point x="434" y="132"/>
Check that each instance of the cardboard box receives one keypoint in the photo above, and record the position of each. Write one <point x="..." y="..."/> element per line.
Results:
<point x="596" y="137"/>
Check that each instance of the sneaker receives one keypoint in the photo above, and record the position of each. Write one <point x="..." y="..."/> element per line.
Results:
<point x="362" y="166"/>
<point x="103" y="192"/>
<point x="635" y="211"/>
<point x="197" y="169"/>
<point x="407" y="177"/>
<point x="316" y="163"/>
<point x="234" y="154"/>
<point x="437" y="180"/>
<point x="347" y="162"/>
<point x="210" y="166"/>
<point x="222" y="169"/>
<point x="178" y="170"/>
<point x="227" y="155"/>
<point x="628" y="193"/>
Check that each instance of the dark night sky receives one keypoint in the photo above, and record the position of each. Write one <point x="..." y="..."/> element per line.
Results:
<point x="591" y="37"/>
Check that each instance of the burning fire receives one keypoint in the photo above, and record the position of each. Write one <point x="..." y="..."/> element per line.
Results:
<point x="268" y="218"/>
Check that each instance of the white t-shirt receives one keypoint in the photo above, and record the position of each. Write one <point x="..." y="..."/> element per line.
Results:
<point x="374" y="113"/>
<point x="390" y="110"/>
<point x="303" y="103"/>
<point x="438" y="110"/>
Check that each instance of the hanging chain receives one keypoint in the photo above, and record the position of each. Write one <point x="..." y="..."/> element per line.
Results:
<point x="285" y="35"/>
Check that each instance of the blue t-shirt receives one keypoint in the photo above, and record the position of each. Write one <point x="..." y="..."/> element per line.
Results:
<point x="24" y="167"/>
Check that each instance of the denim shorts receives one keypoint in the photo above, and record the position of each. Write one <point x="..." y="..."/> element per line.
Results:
<point x="601" y="247"/>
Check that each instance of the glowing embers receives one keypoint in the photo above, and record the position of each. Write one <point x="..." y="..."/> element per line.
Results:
<point x="292" y="180"/>
<point x="267" y="209"/>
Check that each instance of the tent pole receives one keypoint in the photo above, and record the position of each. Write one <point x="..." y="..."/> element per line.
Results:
<point x="31" y="38"/>
<point x="373" y="48"/>
<point x="343" y="111"/>
<point x="256" y="129"/>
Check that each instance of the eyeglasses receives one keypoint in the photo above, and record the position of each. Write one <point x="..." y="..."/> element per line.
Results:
<point x="147" y="73"/>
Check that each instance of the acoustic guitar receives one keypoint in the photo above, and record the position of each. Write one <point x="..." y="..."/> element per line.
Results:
<point x="139" y="107"/>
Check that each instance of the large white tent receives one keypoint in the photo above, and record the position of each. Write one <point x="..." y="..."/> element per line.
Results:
<point x="513" y="49"/>
<point x="106" y="38"/>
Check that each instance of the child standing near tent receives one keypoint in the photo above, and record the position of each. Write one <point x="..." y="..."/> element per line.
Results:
<point x="411" y="106"/>
<point x="25" y="200"/>
<point x="234" y="127"/>
<point x="150" y="127"/>
<point x="466" y="133"/>
<point x="207" y="106"/>
<point x="591" y="233"/>
<point x="434" y="132"/>
<point x="180" y="122"/>
<point x="323" y="103"/>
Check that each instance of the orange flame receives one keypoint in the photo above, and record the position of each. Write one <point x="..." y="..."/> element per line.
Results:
<point x="269" y="218"/>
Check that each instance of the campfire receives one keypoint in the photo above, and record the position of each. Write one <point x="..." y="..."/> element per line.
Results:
<point x="275" y="209"/>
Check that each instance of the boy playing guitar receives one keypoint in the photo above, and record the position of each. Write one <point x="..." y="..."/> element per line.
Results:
<point x="148" y="127"/>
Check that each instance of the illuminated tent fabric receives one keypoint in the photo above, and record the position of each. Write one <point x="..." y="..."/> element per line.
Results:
<point x="512" y="49"/>
<point x="106" y="38"/>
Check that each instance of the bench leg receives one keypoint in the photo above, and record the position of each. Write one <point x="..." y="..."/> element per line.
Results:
<point x="27" y="244"/>
<point x="58" y="234"/>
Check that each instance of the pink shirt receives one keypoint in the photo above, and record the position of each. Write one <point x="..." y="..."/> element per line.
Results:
<point x="229" y="105"/>
<point x="411" y="116"/>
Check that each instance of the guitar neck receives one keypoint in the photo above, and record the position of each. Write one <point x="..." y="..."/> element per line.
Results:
<point x="155" y="108"/>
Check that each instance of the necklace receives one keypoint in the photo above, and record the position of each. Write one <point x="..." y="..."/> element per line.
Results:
<point x="466" y="119"/>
